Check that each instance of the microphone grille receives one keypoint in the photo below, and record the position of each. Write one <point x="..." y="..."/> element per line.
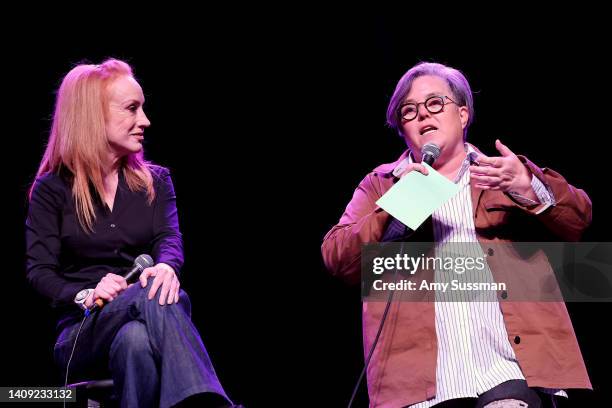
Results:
<point x="431" y="149"/>
<point x="143" y="261"/>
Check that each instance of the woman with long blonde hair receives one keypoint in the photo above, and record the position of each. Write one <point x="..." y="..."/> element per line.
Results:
<point x="95" y="205"/>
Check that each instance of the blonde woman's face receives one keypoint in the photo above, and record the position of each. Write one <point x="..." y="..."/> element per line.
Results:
<point x="126" y="120"/>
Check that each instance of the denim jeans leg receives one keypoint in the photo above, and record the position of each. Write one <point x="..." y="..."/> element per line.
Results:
<point x="182" y="365"/>
<point x="133" y="366"/>
<point x="186" y="368"/>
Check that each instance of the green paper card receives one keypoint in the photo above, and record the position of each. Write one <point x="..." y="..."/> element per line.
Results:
<point x="416" y="196"/>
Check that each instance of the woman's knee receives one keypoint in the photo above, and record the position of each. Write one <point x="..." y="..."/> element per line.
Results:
<point x="132" y="337"/>
<point x="183" y="302"/>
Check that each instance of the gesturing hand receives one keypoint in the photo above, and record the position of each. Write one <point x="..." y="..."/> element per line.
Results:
<point x="506" y="173"/>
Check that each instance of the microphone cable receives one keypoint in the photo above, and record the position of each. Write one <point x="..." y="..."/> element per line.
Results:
<point x="380" y="327"/>
<point x="86" y="314"/>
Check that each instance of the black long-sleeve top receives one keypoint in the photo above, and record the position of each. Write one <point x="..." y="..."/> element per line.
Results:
<point x="63" y="259"/>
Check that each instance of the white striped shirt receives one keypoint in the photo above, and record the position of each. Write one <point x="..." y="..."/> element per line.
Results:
<point x="474" y="353"/>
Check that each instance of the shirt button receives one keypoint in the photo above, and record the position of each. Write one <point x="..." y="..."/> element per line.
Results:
<point x="490" y="252"/>
<point x="517" y="339"/>
<point x="112" y="225"/>
<point x="504" y="294"/>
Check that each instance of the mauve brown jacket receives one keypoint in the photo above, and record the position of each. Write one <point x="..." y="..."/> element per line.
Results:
<point x="403" y="367"/>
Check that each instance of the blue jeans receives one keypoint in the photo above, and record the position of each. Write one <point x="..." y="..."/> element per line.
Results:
<point x="153" y="353"/>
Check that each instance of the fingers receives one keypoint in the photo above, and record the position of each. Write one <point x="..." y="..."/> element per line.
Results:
<point x="488" y="180"/>
<point x="177" y="288"/>
<point x="174" y="291"/>
<point x="485" y="177"/>
<point x="166" y="281"/>
<point x="157" y="282"/>
<point x="415" y="166"/>
<point x="503" y="149"/>
<point x="487" y="187"/>
<point x="101" y="293"/>
<point x="489" y="161"/>
<point x="496" y="161"/>
<point x="144" y="276"/>
<point x="113" y="284"/>
<point x="165" y="288"/>
<point x="107" y="289"/>
<point x="485" y="171"/>
<point x="118" y="279"/>
<point x="171" y="291"/>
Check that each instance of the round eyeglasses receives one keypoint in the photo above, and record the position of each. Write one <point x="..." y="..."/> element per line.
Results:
<point x="433" y="104"/>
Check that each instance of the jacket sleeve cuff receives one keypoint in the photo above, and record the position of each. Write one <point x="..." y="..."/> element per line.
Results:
<point x="540" y="187"/>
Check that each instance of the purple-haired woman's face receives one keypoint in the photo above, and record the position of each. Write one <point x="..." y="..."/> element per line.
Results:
<point x="126" y="120"/>
<point x="444" y="128"/>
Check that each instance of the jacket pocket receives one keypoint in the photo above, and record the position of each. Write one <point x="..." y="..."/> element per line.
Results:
<point x="497" y="213"/>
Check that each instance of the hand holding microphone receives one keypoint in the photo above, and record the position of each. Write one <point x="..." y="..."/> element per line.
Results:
<point x="430" y="153"/>
<point x="112" y="285"/>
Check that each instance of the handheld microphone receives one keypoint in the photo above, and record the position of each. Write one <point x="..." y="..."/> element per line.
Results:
<point x="430" y="153"/>
<point x="140" y="263"/>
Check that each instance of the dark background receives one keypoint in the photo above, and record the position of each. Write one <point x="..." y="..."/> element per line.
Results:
<point x="268" y="126"/>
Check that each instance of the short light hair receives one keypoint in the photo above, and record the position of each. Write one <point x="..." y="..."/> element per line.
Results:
<point x="457" y="82"/>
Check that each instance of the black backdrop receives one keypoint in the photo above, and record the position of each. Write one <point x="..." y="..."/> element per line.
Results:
<point x="268" y="126"/>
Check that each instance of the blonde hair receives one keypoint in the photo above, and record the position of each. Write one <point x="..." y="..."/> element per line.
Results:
<point x="78" y="141"/>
